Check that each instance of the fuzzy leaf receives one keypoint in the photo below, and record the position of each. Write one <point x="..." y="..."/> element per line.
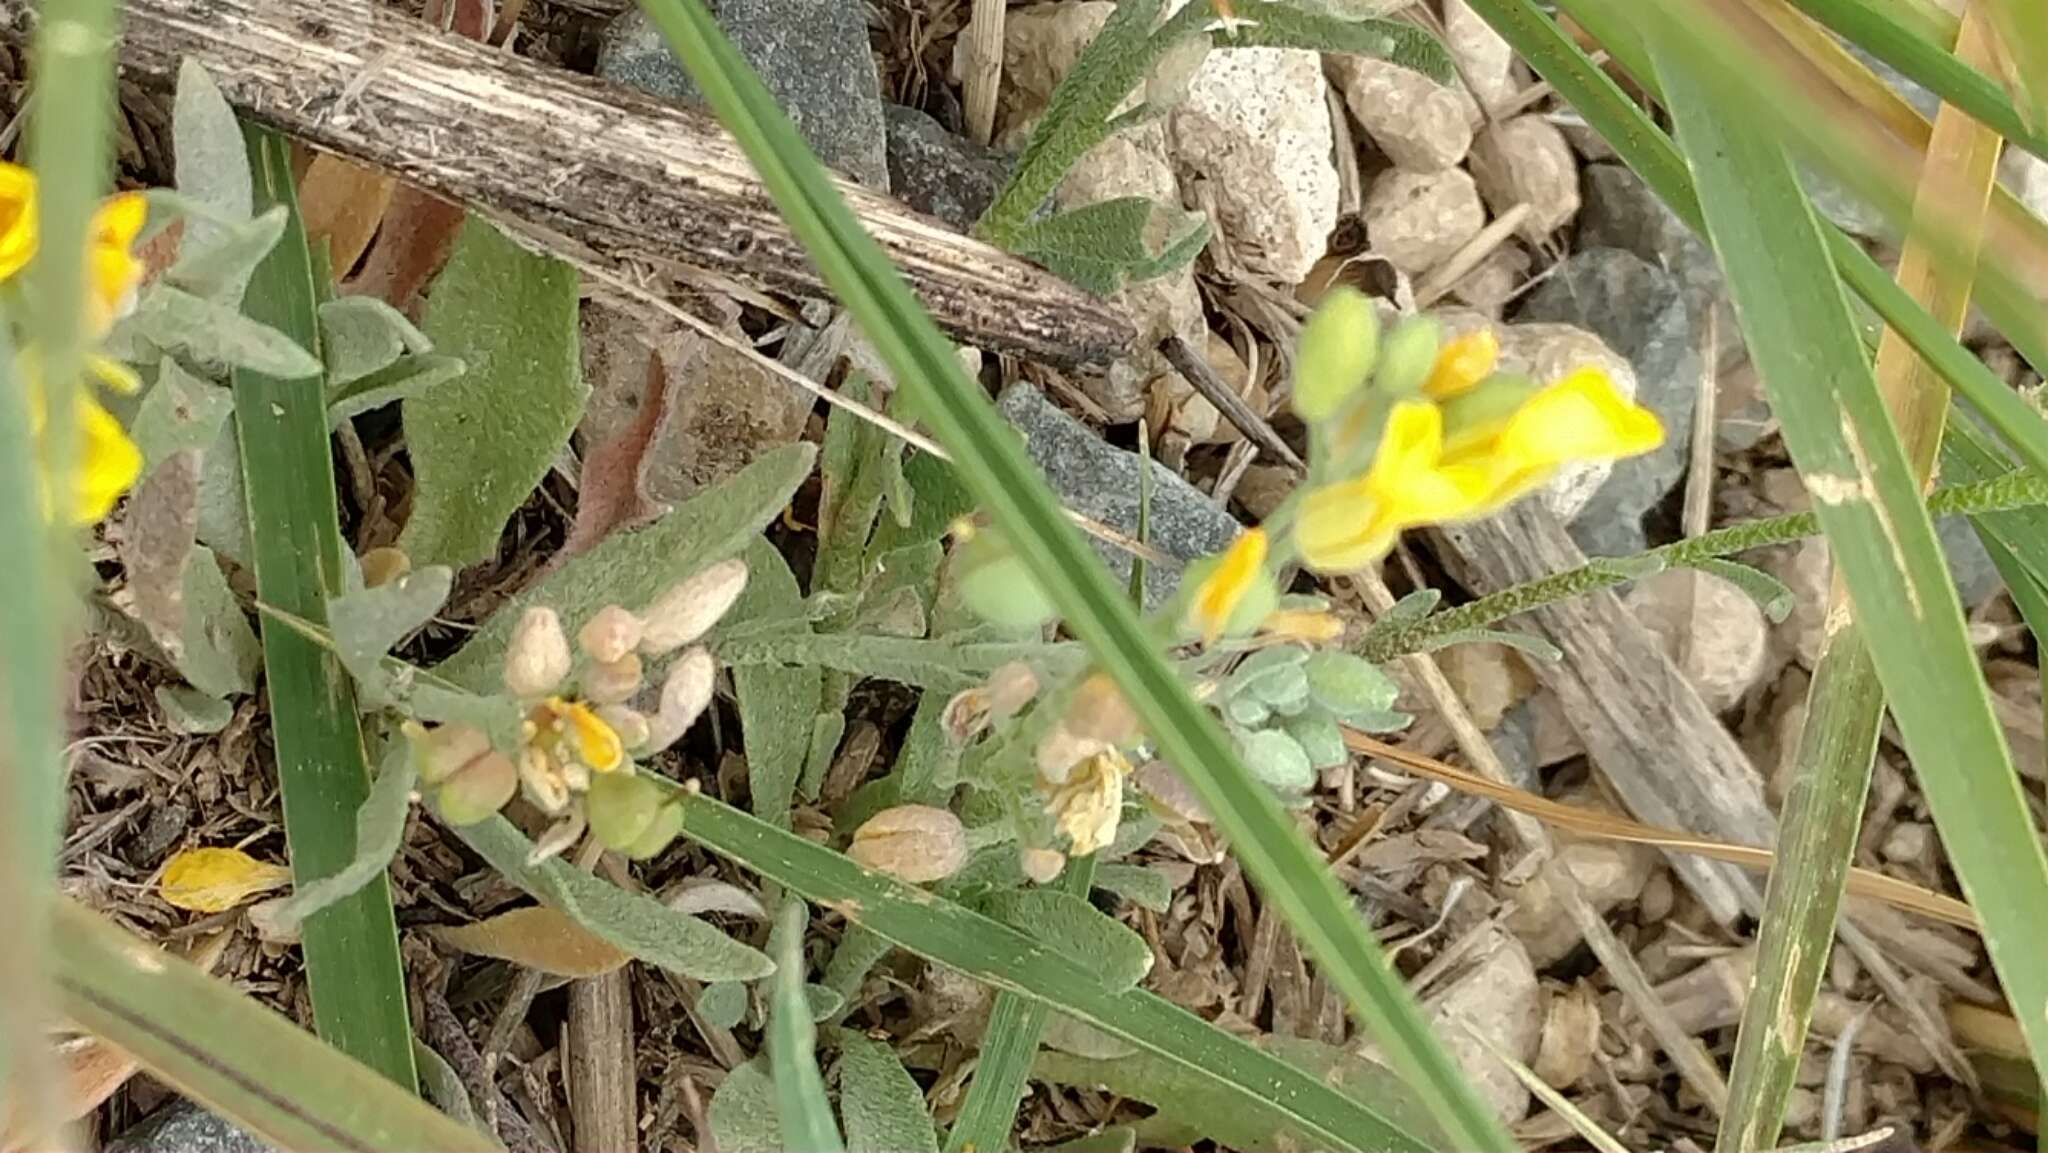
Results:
<point x="179" y="413"/>
<point x="368" y="622"/>
<point x="536" y="937"/>
<point x="361" y="334"/>
<point x="1319" y="736"/>
<point x="882" y="1107"/>
<point x="220" y="650"/>
<point x="743" y="1118"/>
<point x="217" y="335"/>
<point x="219" y="267"/>
<point x="403" y="379"/>
<point x="223" y="509"/>
<point x="1348" y="685"/>
<point x="944" y="666"/>
<point x="207" y="147"/>
<point x="214" y="880"/>
<point x="778" y="703"/>
<point x="792" y="1039"/>
<point x="380" y="828"/>
<point x="1068" y="924"/>
<point x="1100" y="246"/>
<point x="1144" y="887"/>
<point x="632" y="923"/>
<point x="1277" y="759"/>
<point x="481" y="444"/>
<point x="1770" y="594"/>
<point x="1408" y="610"/>
<point x="1286" y="24"/>
<point x="632" y="568"/>
<point x="1524" y="643"/>
<point x="722" y="1004"/>
<point x="190" y="711"/>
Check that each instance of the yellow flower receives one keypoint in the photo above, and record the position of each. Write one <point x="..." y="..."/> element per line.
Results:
<point x="113" y="270"/>
<point x="106" y="463"/>
<point x="1582" y="417"/>
<point x="17" y="218"/>
<point x="1089" y="804"/>
<point x="1220" y="593"/>
<point x="1315" y="626"/>
<point x="1347" y="525"/>
<point x="1461" y="364"/>
<point x="216" y="880"/>
<point x="588" y="738"/>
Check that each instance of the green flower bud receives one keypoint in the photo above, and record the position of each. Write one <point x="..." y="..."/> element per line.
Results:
<point x="478" y="789"/>
<point x="1335" y="353"/>
<point x="621" y="808"/>
<point x="668" y="821"/>
<point x="996" y="585"/>
<point x="1409" y="355"/>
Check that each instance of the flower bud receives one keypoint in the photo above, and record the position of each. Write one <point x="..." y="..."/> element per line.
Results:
<point x="1010" y="687"/>
<point x="1060" y="750"/>
<point x="538" y="656"/>
<point x="611" y="635"/>
<point x="1409" y="355"/>
<point x="996" y="585"/>
<point x="1042" y="865"/>
<point x="915" y="843"/>
<point x="609" y="682"/>
<point x="668" y="821"/>
<point x="621" y="807"/>
<point x="684" y="696"/>
<point x="630" y="725"/>
<point x="691" y="606"/>
<point x="442" y="751"/>
<point x="1461" y="363"/>
<point x="478" y="789"/>
<point x="1098" y="711"/>
<point x="966" y="715"/>
<point x="1335" y="353"/>
<point x="381" y="566"/>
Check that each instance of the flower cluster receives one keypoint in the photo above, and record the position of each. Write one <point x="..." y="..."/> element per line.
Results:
<point x="1419" y="431"/>
<point x="574" y="761"/>
<point x="106" y="462"/>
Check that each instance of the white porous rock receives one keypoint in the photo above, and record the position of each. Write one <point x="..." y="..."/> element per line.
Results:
<point x="1713" y="632"/>
<point x="1485" y="60"/>
<point x="1500" y="999"/>
<point x="1040" y="44"/>
<point x="1548" y="352"/>
<point x="1419" y="124"/>
<point x="1418" y="219"/>
<point x="1256" y="126"/>
<point x="1528" y="161"/>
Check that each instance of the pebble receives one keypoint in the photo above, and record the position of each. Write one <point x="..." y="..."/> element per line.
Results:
<point x="1501" y="1000"/>
<point x="1547" y="352"/>
<point x="1711" y="629"/>
<point x="1620" y="211"/>
<point x="1255" y="125"/>
<point x="1417" y="219"/>
<point x="1493" y="282"/>
<point x="940" y="173"/>
<point x="813" y="55"/>
<point x="1485" y="60"/>
<point x="1802" y="567"/>
<point x="1417" y="123"/>
<point x="1609" y="874"/>
<point x="1488" y="679"/>
<point x="1639" y="311"/>
<point x="1909" y="843"/>
<point x="183" y="1127"/>
<point x="1101" y="481"/>
<point x="1526" y="160"/>
<point x="1040" y="44"/>
<point x="1742" y="411"/>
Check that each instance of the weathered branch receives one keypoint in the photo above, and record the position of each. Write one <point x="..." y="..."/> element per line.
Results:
<point x="602" y="176"/>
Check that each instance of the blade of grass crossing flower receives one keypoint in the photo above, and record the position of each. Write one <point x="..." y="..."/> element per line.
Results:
<point x="793" y="1044"/>
<point x="351" y="946"/>
<point x="238" y="1058"/>
<point x="1015" y="1026"/>
<point x="1868" y="502"/>
<point x="993" y="464"/>
<point x="1006" y="959"/>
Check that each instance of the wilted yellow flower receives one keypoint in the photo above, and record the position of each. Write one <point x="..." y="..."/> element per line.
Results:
<point x="1347" y="525"/>
<point x="1462" y="363"/>
<point x="1087" y="806"/>
<point x="1582" y="417"/>
<point x="1218" y="596"/>
<point x="113" y="271"/>
<point x="17" y="218"/>
<point x="216" y="880"/>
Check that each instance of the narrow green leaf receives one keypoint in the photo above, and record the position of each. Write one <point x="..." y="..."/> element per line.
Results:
<point x="778" y="703"/>
<point x="1066" y="922"/>
<point x="642" y="926"/>
<point x="1769" y="593"/>
<point x="942" y="665"/>
<point x="480" y="444"/>
<point x="1868" y="503"/>
<point x="792" y="1044"/>
<point x="238" y="1058"/>
<point x="179" y="413"/>
<point x="1286" y="24"/>
<point x="1098" y="246"/>
<point x="2023" y="32"/>
<point x="351" y="946"/>
<point x="883" y="1108"/>
<point x="1289" y="871"/>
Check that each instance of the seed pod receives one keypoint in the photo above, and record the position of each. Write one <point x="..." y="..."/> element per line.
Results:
<point x="1042" y="865"/>
<point x="442" y="751"/>
<point x="684" y="696"/>
<point x="630" y="725"/>
<point x="538" y="656"/>
<point x="996" y="585"/>
<point x="668" y="821"/>
<point x="478" y="789"/>
<point x="915" y="843"/>
<point x="609" y="682"/>
<point x="966" y="715"/>
<point x="1098" y="711"/>
<point x="620" y="808"/>
<point x="611" y="635"/>
<point x="691" y="606"/>
<point x="1334" y="353"/>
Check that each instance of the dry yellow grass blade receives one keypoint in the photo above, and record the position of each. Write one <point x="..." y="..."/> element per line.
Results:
<point x="1607" y="826"/>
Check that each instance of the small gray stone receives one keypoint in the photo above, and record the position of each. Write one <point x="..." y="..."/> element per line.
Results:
<point x="939" y="172"/>
<point x="812" y="54"/>
<point x="1977" y="580"/>
<point x="1101" y="481"/>
<point x="1620" y="211"/>
<point x="1640" y="312"/>
<point x="182" y="1127"/>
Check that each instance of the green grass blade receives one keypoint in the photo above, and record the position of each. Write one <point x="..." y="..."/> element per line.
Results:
<point x="1905" y="48"/>
<point x="236" y="1057"/>
<point x="793" y="1044"/>
<point x="1835" y="424"/>
<point x="351" y="946"/>
<point x="2023" y="30"/>
<point x="997" y="955"/>
<point x="1286" y="868"/>
<point x="1008" y="1046"/>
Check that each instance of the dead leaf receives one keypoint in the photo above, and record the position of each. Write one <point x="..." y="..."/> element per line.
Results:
<point x="157" y="533"/>
<point x="417" y="235"/>
<point x="1571" y="1035"/>
<point x="343" y="203"/>
<point x="1421" y="847"/>
<point x="537" y="937"/>
<point x="611" y="496"/>
<point x="216" y="880"/>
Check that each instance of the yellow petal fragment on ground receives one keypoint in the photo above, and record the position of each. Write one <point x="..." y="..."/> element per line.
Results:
<point x="216" y="880"/>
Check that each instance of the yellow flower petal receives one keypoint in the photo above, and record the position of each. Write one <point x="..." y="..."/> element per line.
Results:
<point x="216" y="880"/>
<point x="1089" y="805"/>
<point x="18" y="228"/>
<point x="596" y="744"/>
<point x="1462" y="363"/>
<point x="113" y="373"/>
<point x="1217" y="598"/>
<point x="1313" y="625"/>
<point x="1345" y="526"/>
<point x="1582" y="417"/>
<point x="114" y="270"/>
<point x="108" y="463"/>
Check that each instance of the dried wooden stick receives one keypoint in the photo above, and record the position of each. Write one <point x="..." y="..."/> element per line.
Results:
<point x="1195" y="369"/>
<point x="603" y="1099"/>
<point x="635" y="183"/>
<point x="983" y="67"/>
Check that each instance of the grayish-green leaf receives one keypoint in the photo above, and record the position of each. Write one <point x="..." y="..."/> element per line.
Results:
<point x="742" y="1114"/>
<point x="1100" y="246"/>
<point x="646" y="928"/>
<point x="223" y="511"/>
<point x="217" y="335"/>
<point x="632" y="568"/>
<point x="1286" y="24"/>
<point x="403" y="379"/>
<point x="367" y="623"/>
<point x="1527" y="644"/>
<point x="1348" y="685"/>
<point x="480" y="444"/>
<point x="1277" y="759"/>
<point x="443" y="1085"/>
<point x="220" y="653"/>
<point x="792" y="1043"/>
<point x="1067" y="923"/>
<point x="1141" y="885"/>
<point x="219" y="268"/>
<point x="212" y="163"/>
<point x="1769" y="593"/>
<point x="778" y="703"/>
<point x="361" y="334"/>
<point x="940" y="665"/>
<point x="188" y="710"/>
<point x="882" y="1107"/>
<point x="722" y="1004"/>
<point x="380" y="827"/>
<point x="1320" y="737"/>
<point x="179" y="413"/>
